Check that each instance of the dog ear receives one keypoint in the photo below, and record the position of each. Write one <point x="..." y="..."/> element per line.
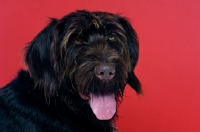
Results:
<point x="37" y="58"/>
<point x="133" y="46"/>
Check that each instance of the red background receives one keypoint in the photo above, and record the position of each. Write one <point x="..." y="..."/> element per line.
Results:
<point x="168" y="67"/>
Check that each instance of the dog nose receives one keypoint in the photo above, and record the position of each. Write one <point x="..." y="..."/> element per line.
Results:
<point x="105" y="71"/>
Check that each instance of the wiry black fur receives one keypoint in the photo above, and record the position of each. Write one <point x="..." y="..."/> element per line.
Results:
<point x="61" y="61"/>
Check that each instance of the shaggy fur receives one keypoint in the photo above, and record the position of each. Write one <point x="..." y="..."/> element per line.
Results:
<point x="63" y="60"/>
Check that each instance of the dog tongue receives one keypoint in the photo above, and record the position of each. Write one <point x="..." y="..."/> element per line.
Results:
<point x="103" y="106"/>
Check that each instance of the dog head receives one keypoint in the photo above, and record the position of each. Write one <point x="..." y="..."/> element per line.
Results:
<point x="85" y="57"/>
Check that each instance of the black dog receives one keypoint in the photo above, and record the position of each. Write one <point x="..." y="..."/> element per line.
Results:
<point x="77" y="69"/>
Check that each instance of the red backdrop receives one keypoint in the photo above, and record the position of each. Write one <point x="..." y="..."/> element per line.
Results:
<point x="168" y="67"/>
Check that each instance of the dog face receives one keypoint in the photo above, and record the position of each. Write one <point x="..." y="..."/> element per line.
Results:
<point x="87" y="57"/>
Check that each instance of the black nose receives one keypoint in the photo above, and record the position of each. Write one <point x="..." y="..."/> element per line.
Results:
<point x="105" y="71"/>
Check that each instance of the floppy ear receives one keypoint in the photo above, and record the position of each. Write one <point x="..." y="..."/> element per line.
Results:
<point x="133" y="46"/>
<point x="37" y="58"/>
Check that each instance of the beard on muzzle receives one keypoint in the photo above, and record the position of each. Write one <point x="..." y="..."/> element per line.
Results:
<point x="101" y="87"/>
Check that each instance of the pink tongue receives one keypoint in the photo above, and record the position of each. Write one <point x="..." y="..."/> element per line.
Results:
<point x="103" y="106"/>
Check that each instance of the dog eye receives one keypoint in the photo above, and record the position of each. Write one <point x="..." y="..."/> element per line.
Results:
<point x="111" y="37"/>
<point x="77" y="40"/>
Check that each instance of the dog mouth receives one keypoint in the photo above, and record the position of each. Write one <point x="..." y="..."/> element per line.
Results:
<point x="103" y="105"/>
